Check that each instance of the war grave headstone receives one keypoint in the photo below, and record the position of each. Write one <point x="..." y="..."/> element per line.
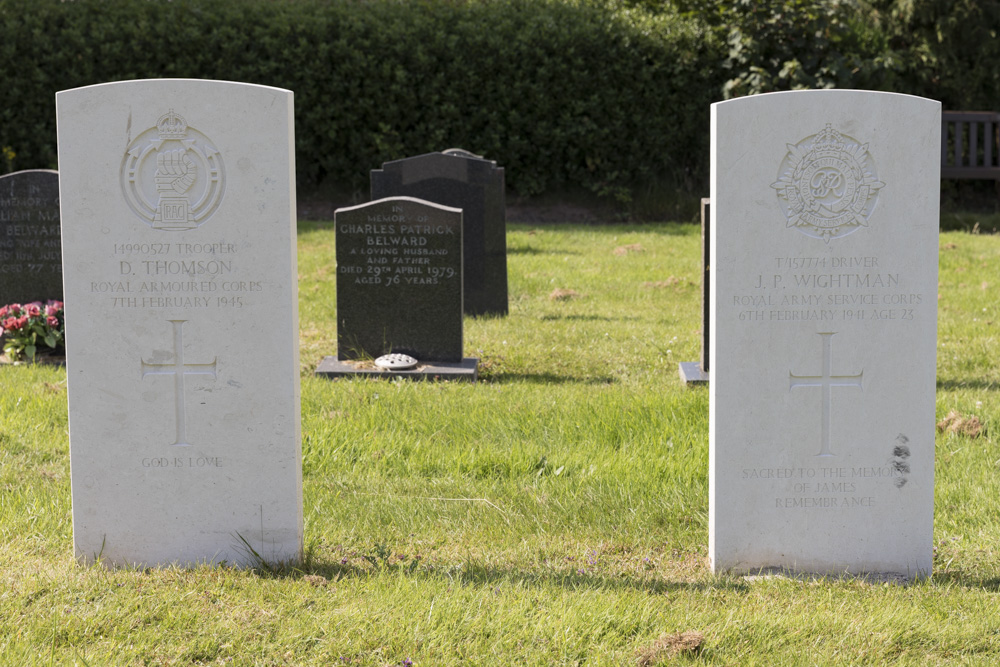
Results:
<point x="824" y="228"/>
<point x="399" y="291"/>
<point x="30" y="249"/>
<point x="460" y="179"/>
<point x="697" y="372"/>
<point x="178" y="215"/>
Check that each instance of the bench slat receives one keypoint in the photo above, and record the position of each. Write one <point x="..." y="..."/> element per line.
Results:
<point x="972" y="154"/>
<point x="988" y="140"/>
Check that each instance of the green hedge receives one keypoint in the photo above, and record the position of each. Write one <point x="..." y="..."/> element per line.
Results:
<point x="563" y="94"/>
<point x="609" y="96"/>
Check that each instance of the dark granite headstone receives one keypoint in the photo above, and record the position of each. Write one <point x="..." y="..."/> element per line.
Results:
<point x="462" y="180"/>
<point x="399" y="280"/>
<point x="694" y="372"/>
<point x="30" y="246"/>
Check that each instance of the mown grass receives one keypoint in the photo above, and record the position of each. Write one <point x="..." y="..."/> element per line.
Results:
<point x="555" y="513"/>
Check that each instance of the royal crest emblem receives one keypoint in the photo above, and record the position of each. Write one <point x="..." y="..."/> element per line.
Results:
<point x="172" y="175"/>
<point x="827" y="185"/>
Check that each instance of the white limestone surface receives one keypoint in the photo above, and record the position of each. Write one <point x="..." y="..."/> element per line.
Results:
<point x="823" y="332"/>
<point x="178" y="220"/>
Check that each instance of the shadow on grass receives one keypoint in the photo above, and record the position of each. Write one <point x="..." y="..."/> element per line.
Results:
<point x="555" y="252"/>
<point x="483" y="576"/>
<point x="949" y="385"/>
<point x="992" y="585"/>
<point x="587" y="318"/>
<point x="612" y="229"/>
<point x="963" y="580"/>
<point x="536" y="251"/>
<point x="548" y="378"/>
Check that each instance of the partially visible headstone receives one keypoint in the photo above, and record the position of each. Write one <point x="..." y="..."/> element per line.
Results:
<point x="399" y="280"/>
<point x="178" y="217"/>
<point x="30" y="248"/>
<point x="461" y="179"/>
<point x="696" y="372"/>
<point x="823" y="338"/>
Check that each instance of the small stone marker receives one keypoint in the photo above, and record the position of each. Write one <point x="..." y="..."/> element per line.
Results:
<point x="823" y="336"/>
<point x="460" y="179"/>
<point x="30" y="249"/>
<point x="181" y="307"/>
<point x="399" y="288"/>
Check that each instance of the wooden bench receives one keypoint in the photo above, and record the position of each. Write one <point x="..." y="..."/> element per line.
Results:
<point x="969" y="146"/>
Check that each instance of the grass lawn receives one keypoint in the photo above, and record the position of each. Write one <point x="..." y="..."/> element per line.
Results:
<point x="555" y="513"/>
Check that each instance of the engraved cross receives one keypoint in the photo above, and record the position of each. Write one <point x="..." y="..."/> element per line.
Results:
<point x="826" y="381"/>
<point x="179" y="369"/>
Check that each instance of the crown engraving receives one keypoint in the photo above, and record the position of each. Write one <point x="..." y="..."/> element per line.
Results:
<point x="172" y="125"/>
<point x="829" y="142"/>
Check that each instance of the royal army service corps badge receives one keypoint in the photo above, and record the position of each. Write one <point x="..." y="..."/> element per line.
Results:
<point x="827" y="185"/>
<point x="172" y="176"/>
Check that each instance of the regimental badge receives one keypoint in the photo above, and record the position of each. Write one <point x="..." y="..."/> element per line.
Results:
<point x="827" y="185"/>
<point x="172" y="175"/>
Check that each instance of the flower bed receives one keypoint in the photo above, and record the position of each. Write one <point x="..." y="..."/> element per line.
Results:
<point x="26" y="328"/>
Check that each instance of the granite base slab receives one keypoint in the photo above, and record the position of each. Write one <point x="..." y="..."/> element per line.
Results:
<point x="691" y="372"/>
<point x="467" y="369"/>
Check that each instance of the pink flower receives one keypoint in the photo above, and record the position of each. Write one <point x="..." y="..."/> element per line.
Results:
<point x="21" y="321"/>
<point x="3" y="312"/>
<point x="14" y="309"/>
<point x="52" y="309"/>
<point x="11" y="324"/>
<point x="52" y="321"/>
<point x="33" y="309"/>
<point x="58" y="305"/>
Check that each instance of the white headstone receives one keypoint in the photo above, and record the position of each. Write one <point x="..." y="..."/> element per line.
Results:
<point x="178" y="218"/>
<point x="823" y="336"/>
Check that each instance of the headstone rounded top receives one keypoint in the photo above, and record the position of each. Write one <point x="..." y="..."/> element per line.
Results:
<point x="461" y="152"/>
<point x="396" y="362"/>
